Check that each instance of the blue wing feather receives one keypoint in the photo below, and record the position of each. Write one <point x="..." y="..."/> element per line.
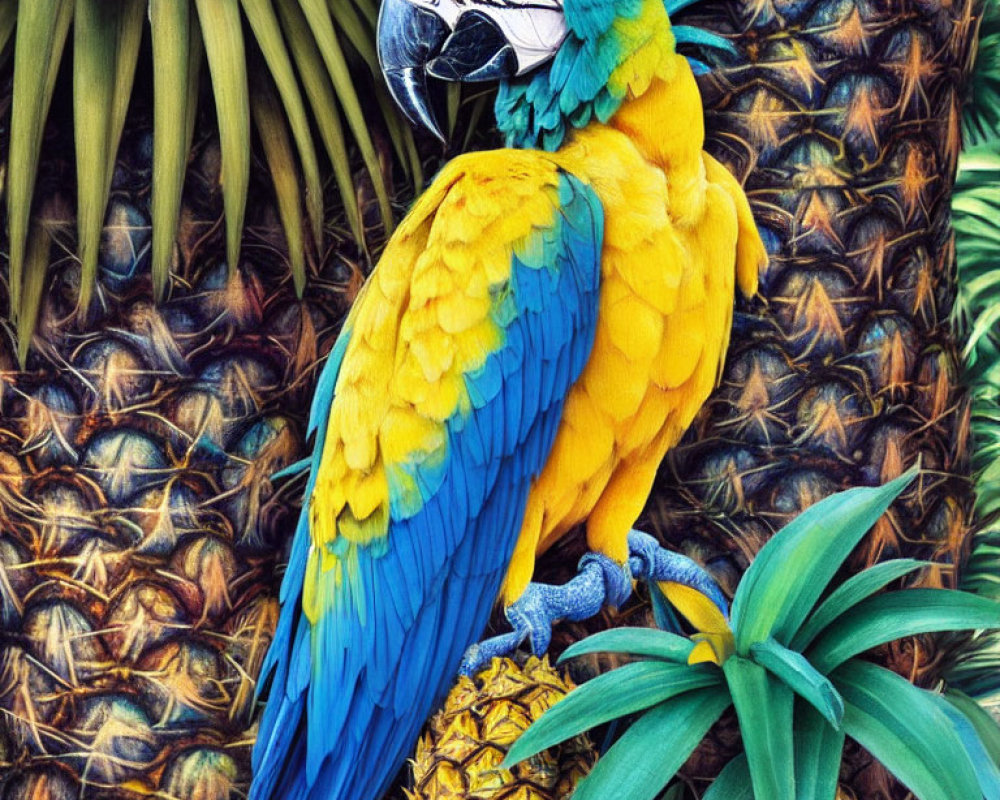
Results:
<point x="347" y="697"/>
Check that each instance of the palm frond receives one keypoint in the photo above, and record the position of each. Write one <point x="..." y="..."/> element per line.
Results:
<point x="267" y="29"/>
<point x="981" y="122"/>
<point x="177" y="52"/>
<point x="322" y="70"/>
<point x="106" y="39"/>
<point x="976" y="209"/>
<point x="41" y="31"/>
<point x="225" y="49"/>
<point x="270" y="124"/>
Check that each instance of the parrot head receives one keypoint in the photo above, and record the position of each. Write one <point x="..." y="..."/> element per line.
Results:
<point x="462" y="40"/>
<point x="560" y="63"/>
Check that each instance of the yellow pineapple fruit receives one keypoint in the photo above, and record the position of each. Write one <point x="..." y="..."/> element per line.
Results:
<point x="465" y="742"/>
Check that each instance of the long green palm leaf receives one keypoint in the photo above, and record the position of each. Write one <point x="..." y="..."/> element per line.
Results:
<point x="267" y="116"/>
<point x="267" y="29"/>
<point x="222" y="33"/>
<point x="333" y="55"/>
<point x="106" y="38"/>
<point x="176" y="51"/>
<point x="42" y="28"/>
<point x="302" y="42"/>
<point x="323" y="100"/>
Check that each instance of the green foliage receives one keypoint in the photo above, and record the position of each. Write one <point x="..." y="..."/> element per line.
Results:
<point x="906" y="730"/>
<point x="976" y="209"/>
<point x="981" y="120"/>
<point x="794" y="678"/>
<point x="288" y="67"/>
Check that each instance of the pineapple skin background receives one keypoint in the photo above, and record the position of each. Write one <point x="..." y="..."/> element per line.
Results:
<point x="141" y="536"/>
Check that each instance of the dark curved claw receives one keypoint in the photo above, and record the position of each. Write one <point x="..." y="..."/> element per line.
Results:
<point x="477" y="50"/>
<point x="409" y="37"/>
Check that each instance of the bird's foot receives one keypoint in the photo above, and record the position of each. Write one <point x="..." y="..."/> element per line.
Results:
<point x="601" y="581"/>
<point x="651" y="562"/>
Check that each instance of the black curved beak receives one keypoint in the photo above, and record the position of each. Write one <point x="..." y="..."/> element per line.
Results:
<point x="477" y="50"/>
<point x="409" y="37"/>
<point x="414" y="42"/>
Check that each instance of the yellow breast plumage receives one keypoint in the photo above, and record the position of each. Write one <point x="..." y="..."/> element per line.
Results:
<point x="679" y="235"/>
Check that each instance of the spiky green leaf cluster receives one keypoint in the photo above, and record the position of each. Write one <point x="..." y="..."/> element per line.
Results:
<point x="794" y="678"/>
<point x="287" y="67"/>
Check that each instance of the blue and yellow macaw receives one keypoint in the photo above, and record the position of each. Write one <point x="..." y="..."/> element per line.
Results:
<point x="541" y="329"/>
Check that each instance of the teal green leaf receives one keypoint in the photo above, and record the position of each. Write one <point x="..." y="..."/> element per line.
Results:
<point x="896" y="615"/>
<point x="798" y="674"/>
<point x="654" y="747"/>
<point x="792" y="570"/>
<point x="851" y="592"/>
<point x="905" y="730"/>
<point x="819" y="750"/>
<point x="614" y="694"/>
<point x="985" y="725"/>
<point x="983" y="765"/>
<point x="663" y="612"/>
<point x="733" y="782"/>
<point x="764" y="707"/>
<point x="634" y="641"/>
<point x="677" y="791"/>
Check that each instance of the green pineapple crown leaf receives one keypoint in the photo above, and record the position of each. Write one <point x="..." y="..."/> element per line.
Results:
<point x="297" y="71"/>
<point x="794" y="676"/>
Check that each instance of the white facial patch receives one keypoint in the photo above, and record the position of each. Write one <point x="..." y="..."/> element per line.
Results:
<point x="534" y="28"/>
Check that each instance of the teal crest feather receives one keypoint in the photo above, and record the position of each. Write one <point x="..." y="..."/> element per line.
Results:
<point x="539" y="109"/>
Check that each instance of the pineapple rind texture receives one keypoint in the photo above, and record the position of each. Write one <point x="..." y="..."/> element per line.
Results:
<point x="465" y="742"/>
<point x="140" y="534"/>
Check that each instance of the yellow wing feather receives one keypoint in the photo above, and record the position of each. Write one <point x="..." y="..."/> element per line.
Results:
<point x="423" y="321"/>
